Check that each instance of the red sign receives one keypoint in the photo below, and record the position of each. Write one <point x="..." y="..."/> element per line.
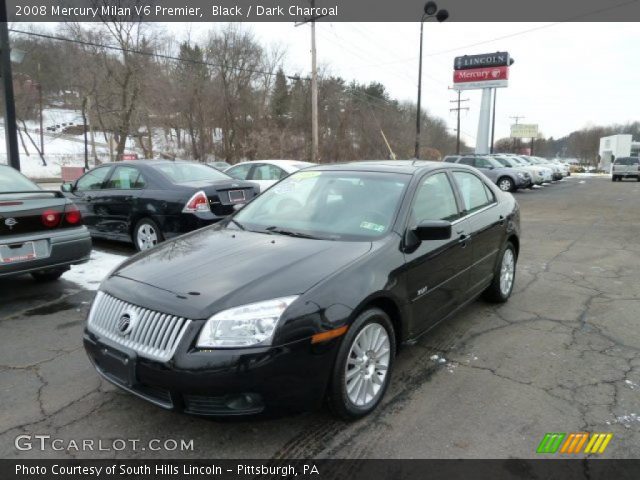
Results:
<point x="487" y="74"/>
<point x="129" y="156"/>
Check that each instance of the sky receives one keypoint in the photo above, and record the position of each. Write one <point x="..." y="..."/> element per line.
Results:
<point x="566" y="75"/>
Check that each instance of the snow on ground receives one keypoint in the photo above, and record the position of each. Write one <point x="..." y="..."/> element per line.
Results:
<point x="90" y="274"/>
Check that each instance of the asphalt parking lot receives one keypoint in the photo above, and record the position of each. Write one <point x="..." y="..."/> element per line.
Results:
<point x="560" y="356"/>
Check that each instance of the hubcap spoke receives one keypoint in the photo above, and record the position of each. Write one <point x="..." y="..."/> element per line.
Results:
<point x="367" y="365"/>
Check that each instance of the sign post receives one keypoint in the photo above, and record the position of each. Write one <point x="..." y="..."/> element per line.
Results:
<point x="482" y="72"/>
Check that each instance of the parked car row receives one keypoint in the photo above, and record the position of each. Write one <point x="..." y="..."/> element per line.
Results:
<point x="511" y="172"/>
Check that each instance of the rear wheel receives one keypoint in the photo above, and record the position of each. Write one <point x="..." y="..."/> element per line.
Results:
<point x="504" y="276"/>
<point x="506" y="184"/>
<point x="47" y="275"/>
<point x="614" y="178"/>
<point x="146" y="234"/>
<point x="363" y="366"/>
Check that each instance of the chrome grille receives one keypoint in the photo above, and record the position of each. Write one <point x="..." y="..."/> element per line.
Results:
<point x="155" y="335"/>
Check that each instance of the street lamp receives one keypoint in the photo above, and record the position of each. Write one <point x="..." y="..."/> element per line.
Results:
<point x="430" y="11"/>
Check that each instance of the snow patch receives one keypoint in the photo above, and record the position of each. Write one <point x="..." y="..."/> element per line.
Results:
<point x="90" y="274"/>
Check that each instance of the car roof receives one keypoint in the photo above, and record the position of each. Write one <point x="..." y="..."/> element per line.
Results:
<point x="147" y="161"/>
<point x="408" y="167"/>
<point x="276" y="162"/>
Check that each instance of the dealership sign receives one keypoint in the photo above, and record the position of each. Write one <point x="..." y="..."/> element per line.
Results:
<point x="497" y="59"/>
<point x="524" y="130"/>
<point x="488" y="77"/>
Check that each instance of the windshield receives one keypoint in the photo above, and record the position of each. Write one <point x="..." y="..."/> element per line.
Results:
<point x="335" y="205"/>
<point x="13" y="181"/>
<point x="190" y="172"/>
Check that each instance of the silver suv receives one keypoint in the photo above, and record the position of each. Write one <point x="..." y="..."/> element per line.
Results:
<point x="625" y="167"/>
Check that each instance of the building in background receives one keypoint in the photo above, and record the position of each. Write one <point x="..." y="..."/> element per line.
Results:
<point x="616" y="146"/>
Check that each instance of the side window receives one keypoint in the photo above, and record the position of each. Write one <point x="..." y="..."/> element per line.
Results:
<point x="482" y="163"/>
<point x="434" y="200"/>
<point x="475" y="193"/>
<point x="93" y="179"/>
<point x="125" y="178"/>
<point x="239" y="172"/>
<point x="467" y="161"/>
<point x="267" y="172"/>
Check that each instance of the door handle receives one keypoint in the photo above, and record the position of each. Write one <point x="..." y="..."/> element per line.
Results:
<point x="463" y="239"/>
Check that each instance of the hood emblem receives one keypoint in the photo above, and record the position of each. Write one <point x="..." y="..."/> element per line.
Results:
<point x="127" y="322"/>
<point x="10" y="222"/>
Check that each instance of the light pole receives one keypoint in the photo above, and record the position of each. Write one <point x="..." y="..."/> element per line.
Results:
<point x="430" y="11"/>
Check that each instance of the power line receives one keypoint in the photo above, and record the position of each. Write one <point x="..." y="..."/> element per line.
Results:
<point x="142" y="52"/>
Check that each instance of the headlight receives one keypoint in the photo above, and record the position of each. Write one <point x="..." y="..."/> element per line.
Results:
<point x="244" y="326"/>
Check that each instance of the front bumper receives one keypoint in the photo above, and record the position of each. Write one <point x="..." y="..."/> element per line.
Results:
<point x="60" y="249"/>
<point x="225" y="382"/>
<point x="523" y="182"/>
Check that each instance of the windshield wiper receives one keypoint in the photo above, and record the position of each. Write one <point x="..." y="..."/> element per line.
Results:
<point x="237" y="223"/>
<point x="291" y="233"/>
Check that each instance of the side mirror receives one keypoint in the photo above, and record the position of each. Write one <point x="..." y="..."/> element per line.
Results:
<point x="433" y="230"/>
<point x="66" y="187"/>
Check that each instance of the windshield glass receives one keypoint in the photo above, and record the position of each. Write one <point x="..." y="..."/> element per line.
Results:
<point x="13" y="181"/>
<point x="190" y="172"/>
<point x="336" y="205"/>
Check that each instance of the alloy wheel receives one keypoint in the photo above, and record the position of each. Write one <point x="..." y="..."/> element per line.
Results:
<point x="147" y="237"/>
<point x="505" y="185"/>
<point x="367" y="365"/>
<point x="507" y="271"/>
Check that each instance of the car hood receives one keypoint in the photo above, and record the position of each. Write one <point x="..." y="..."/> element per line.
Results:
<point x="217" y="268"/>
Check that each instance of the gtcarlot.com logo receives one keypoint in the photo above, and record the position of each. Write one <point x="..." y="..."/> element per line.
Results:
<point x="577" y="442"/>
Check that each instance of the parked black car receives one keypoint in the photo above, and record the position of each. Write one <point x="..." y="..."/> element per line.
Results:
<point x="41" y="232"/>
<point x="307" y="291"/>
<point x="147" y="201"/>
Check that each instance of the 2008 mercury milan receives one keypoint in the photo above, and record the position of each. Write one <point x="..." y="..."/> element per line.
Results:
<point x="307" y="292"/>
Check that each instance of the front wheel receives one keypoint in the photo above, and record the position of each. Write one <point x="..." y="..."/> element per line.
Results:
<point x="146" y="234"/>
<point x="614" y="178"/>
<point x="363" y="366"/>
<point x="504" y="276"/>
<point x="506" y="184"/>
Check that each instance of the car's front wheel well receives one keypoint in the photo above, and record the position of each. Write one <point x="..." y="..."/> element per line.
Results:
<point x="516" y="244"/>
<point x="389" y="307"/>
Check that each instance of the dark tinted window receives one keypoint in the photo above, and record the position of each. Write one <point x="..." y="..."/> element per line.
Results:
<point x="626" y="161"/>
<point x="13" y="181"/>
<point x="126" y="178"/>
<point x="468" y="161"/>
<point x="451" y="158"/>
<point x="93" y="179"/>
<point x="475" y="193"/>
<point x="483" y="162"/>
<point x="190" y="172"/>
<point x="435" y="200"/>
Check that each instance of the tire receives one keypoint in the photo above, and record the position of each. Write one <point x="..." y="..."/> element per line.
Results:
<point x="498" y="292"/>
<point x="345" y="393"/>
<point x="638" y="179"/>
<point x="146" y="234"/>
<point x="506" y="184"/>
<point x="48" y="275"/>
<point x="614" y="178"/>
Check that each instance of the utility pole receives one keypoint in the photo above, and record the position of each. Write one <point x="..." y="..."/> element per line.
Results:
<point x="314" y="84"/>
<point x="457" y="110"/>
<point x="41" y="120"/>
<point x="516" y="118"/>
<point x="10" y="129"/>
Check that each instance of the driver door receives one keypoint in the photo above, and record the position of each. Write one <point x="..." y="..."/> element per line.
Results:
<point x="437" y="272"/>
<point x="86" y="195"/>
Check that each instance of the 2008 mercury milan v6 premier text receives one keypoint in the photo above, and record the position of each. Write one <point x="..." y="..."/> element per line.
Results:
<point x="306" y="293"/>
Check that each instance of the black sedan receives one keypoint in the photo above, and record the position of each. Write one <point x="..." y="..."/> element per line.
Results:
<point x="307" y="292"/>
<point x="148" y="201"/>
<point x="41" y="232"/>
